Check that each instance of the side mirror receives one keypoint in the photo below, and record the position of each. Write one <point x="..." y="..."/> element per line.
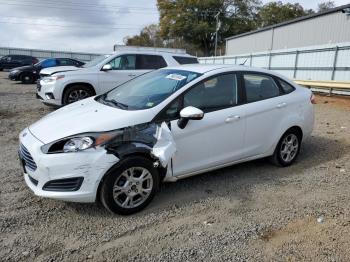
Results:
<point x="106" y="67"/>
<point x="189" y="113"/>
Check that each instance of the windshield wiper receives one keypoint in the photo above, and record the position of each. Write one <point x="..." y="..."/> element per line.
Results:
<point x="116" y="103"/>
<point x="120" y="105"/>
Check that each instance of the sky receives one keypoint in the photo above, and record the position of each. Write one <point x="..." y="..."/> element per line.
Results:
<point x="92" y="26"/>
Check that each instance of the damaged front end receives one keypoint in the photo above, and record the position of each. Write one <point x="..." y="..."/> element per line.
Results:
<point x="151" y="139"/>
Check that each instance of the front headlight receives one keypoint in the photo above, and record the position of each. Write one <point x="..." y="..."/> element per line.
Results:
<point x="79" y="142"/>
<point x="14" y="71"/>
<point x="51" y="79"/>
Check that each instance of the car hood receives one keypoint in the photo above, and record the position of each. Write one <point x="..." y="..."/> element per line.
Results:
<point x="86" y="116"/>
<point x="24" y="68"/>
<point x="58" y="69"/>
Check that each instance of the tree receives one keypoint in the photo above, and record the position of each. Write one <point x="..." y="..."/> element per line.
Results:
<point x="325" y="6"/>
<point x="277" y="12"/>
<point x="149" y="36"/>
<point x="194" y="20"/>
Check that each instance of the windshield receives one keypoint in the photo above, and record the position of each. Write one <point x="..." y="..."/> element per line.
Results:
<point x="148" y="90"/>
<point x="95" y="61"/>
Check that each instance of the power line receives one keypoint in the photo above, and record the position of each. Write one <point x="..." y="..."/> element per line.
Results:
<point x="72" y="26"/>
<point x="139" y="10"/>
<point x="53" y="19"/>
<point x="80" y="9"/>
<point x="103" y="5"/>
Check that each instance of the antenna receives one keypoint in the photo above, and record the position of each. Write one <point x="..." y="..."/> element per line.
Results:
<point x="244" y="62"/>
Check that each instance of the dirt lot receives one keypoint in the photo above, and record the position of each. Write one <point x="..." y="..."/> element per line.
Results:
<point x="249" y="212"/>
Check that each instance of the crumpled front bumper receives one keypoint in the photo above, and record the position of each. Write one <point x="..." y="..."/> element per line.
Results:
<point x="91" y="165"/>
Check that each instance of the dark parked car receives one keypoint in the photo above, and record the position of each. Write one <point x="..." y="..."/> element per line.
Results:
<point x="29" y="74"/>
<point x="12" y="61"/>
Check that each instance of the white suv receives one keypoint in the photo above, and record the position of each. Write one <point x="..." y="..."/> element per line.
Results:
<point x="104" y="73"/>
<point x="166" y="125"/>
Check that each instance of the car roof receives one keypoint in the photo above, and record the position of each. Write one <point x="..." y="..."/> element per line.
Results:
<point x="204" y="68"/>
<point x="147" y="52"/>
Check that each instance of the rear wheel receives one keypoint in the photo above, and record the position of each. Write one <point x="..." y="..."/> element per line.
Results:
<point x="129" y="187"/>
<point x="287" y="148"/>
<point x="27" y="78"/>
<point x="76" y="93"/>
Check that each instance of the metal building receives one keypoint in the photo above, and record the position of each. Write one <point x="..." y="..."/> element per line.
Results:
<point x="329" y="27"/>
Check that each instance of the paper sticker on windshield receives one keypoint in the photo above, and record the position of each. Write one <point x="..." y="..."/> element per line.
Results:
<point x="176" y="77"/>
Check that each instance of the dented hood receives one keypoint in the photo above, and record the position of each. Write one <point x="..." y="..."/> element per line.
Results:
<point x="86" y="116"/>
<point x="58" y="69"/>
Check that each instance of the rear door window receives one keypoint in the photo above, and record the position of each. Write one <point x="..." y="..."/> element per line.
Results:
<point x="64" y="62"/>
<point x="145" y="62"/>
<point x="182" y="60"/>
<point x="259" y="87"/>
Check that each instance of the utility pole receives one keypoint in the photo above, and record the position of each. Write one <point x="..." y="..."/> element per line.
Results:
<point x="218" y="24"/>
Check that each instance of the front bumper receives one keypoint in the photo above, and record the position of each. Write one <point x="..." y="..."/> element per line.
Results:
<point x="90" y="165"/>
<point x="14" y="76"/>
<point x="47" y="93"/>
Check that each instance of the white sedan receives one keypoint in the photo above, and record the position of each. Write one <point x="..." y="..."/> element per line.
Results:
<point x="165" y="125"/>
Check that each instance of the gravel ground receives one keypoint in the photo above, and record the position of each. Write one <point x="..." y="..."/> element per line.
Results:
<point x="248" y="212"/>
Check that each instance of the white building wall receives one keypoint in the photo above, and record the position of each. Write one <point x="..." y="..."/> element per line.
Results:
<point x="330" y="28"/>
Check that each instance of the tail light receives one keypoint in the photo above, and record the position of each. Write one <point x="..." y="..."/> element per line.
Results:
<point x="313" y="99"/>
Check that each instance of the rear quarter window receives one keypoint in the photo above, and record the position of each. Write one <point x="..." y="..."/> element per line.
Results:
<point x="182" y="60"/>
<point x="287" y="88"/>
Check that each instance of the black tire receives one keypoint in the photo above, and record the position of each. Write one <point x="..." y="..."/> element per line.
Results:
<point x="78" y="92"/>
<point x="280" y="155"/>
<point x="27" y="78"/>
<point x="112" y="198"/>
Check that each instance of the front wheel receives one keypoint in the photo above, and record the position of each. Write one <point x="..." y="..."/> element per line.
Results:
<point x="287" y="148"/>
<point x="130" y="186"/>
<point x="27" y="79"/>
<point x="76" y="93"/>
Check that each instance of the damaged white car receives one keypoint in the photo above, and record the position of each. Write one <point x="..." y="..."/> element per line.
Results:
<point x="163" y="126"/>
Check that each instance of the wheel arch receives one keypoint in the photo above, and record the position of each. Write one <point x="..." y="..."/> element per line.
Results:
<point x="142" y="151"/>
<point x="90" y="86"/>
<point x="298" y="129"/>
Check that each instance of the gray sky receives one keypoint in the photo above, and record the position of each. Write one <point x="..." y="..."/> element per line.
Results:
<point x="80" y="25"/>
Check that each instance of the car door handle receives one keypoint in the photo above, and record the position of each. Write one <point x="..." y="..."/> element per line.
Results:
<point x="132" y="75"/>
<point x="281" y="105"/>
<point x="232" y="119"/>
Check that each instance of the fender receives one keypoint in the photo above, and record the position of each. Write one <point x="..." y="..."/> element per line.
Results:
<point x="130" y="148"/>
<point x="294" y="119"/>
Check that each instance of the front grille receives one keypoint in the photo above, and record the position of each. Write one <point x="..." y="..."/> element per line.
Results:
<point x="34" y="181"/>
<point x="27" y="158"/>
<point x="61" y="185"/>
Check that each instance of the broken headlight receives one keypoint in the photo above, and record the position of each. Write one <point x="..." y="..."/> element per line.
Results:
<point x="79" y="142"/>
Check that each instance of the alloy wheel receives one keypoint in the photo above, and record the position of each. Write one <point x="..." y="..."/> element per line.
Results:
<point x="289" y="147"/>
<point x="133" y="187"/>
<point x="77" y="95"/>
